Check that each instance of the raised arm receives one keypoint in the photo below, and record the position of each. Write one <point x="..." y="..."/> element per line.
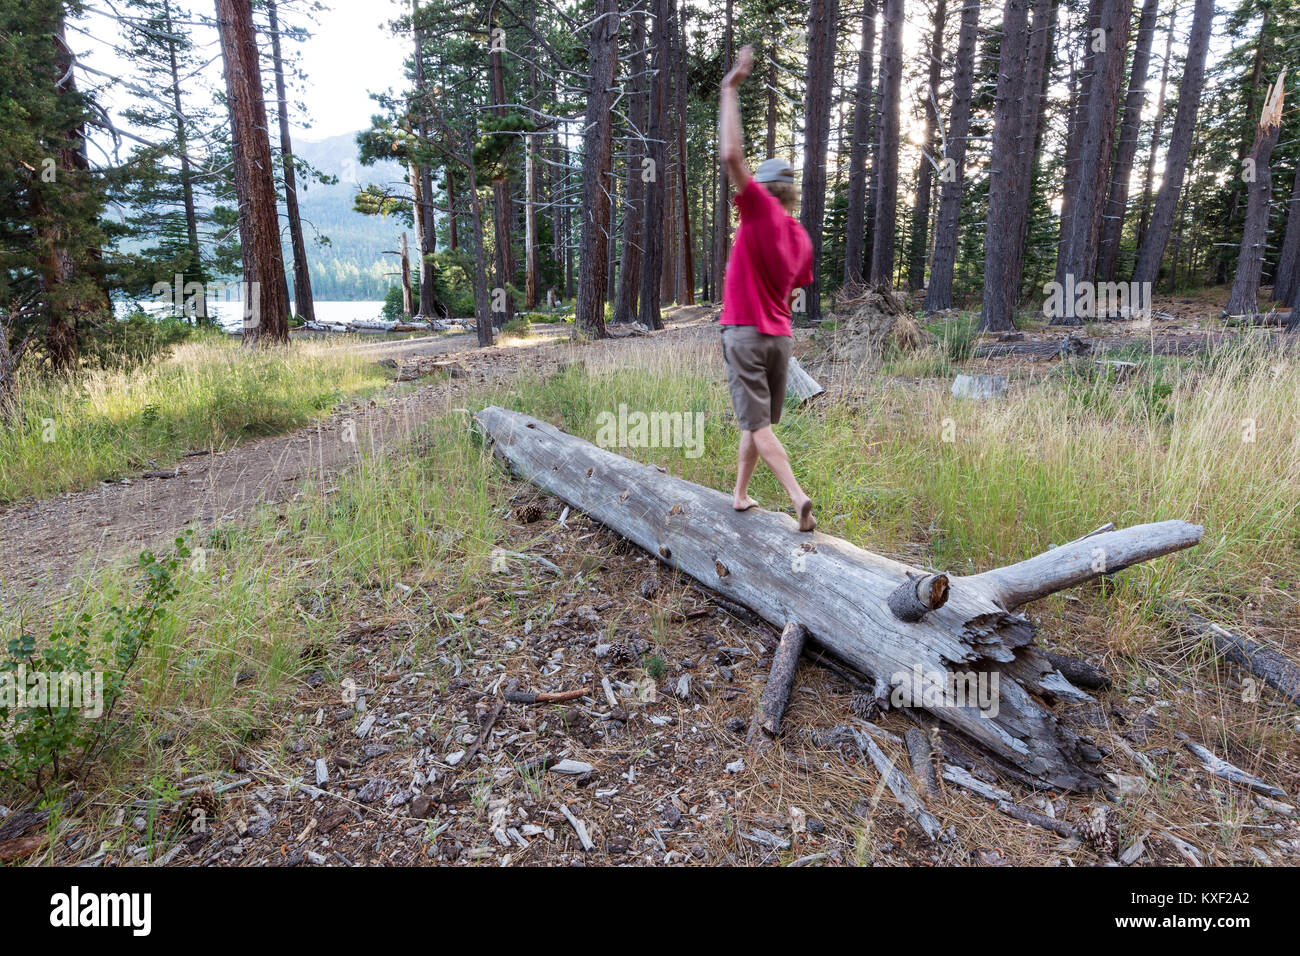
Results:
<point x="731" y="142"/>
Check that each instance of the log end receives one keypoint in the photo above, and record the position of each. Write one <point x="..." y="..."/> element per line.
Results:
<point x="919" y="595"/>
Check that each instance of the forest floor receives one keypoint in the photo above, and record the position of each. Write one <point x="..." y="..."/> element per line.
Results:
<point x="378" y="583"/>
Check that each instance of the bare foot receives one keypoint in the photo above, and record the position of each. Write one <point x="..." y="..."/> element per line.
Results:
<point x="806" y="520"/>
<point x="744" y="504"/>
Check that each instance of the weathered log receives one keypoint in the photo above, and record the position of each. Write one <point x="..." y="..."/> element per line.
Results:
<point x="781" y="679"/>
<point x="972" y="646"/>
<point x="799" y="383"/>
<point x="1266" y="664"/>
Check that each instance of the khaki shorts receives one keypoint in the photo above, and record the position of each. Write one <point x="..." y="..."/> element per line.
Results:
<point x="756" y="371"/>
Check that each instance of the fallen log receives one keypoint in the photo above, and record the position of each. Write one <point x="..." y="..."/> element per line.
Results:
<point x="799" y="383"/>
<point x="1266" y="664"/>
<point x="840" y="592"/>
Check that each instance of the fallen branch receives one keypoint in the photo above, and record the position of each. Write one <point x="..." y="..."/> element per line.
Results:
<point x="922" y="757"/>
<point x="1220" y="768"/>
<point x="1263" y="662"/>
<point x="781" y="679"/>
<point x="558" y="697"/>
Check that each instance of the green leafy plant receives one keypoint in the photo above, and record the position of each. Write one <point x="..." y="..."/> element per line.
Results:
<point x="43" y="736"/>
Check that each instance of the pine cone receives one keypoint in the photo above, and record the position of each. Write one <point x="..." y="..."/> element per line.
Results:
<point x="1097" y="830"/>
<point x="199" y="810"/>
<point x="865" y="706"/>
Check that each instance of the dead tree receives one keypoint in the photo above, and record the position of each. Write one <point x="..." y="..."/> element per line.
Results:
<point x="259" y="221"/>
<point x="967" y="630"/>
<point x="1259" y="179"/>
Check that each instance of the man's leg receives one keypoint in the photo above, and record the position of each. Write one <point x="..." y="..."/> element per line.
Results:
<point x="773" y="454"/>
<point x="746" y="459"/>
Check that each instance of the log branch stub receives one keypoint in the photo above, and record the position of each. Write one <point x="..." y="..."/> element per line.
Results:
<point x="918" y="595"/>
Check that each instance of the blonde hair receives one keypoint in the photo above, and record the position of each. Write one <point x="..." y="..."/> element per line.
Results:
<point x="786" y="193"/>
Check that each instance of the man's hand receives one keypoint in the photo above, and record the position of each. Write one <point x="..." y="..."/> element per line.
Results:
<point x="743" y="66"/>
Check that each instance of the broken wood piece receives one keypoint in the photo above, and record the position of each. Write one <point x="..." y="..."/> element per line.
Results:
<point x="900" y="787"/>
<point x="918" y="595"/>
<point x="579" y="828"/>
<point x="1079" y="672"/>
<point x="558" y="697"/>
<point x="799" y="383"/>
<point x="922" y="757"/>
<point x="963" y="778"/>
<point x="1220" y="768"/>
<point x="1059" y="827"/>
<point x="785" y="662"/>
<point x="840" y="592"/>
<point x="1263" y="662"/>
<point x="488" y="723"/>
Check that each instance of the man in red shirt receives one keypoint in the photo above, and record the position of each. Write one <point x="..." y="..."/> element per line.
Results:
<point x="770" y="258"/>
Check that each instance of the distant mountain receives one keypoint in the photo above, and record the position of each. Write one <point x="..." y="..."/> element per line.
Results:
<point x="352" y="266"/>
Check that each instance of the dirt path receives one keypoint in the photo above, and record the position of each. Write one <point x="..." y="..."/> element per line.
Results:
<point x="46" y="544"/>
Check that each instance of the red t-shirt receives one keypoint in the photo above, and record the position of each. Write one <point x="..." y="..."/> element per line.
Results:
<point x="771" y="257"/>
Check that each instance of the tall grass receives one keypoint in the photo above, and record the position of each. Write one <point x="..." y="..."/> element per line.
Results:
<point x="71" y="432"/>
<point x="1213" y="441"/>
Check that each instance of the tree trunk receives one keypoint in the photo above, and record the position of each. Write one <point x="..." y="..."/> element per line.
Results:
<point x="722" y="195"/>
<point x="652" y="231"/>
<point x="938" y="294"/>
<point x="886" y="175"/>
<point x="589" y="320"/>
<point x="1081" y="80"/>
<point x="686" y="266"/>
<point x="407" y="301"/>
<point x="1152" y="249"/>
<point x="841" y="594"/>
<point x="501" y="206"/>
<point x="304" y="306"/>
<point x="629" y="276"/>
<point x="1284" y="280"/>
<point x="195" y="270"/>
<point x="1254" y="233"/>
<point x="822" y="19"/>
<point x="856" y="209"/>
<point x="919" y="245"/>
<point x="1077" y="255"/>
<point x="1112" y="225"/>
<point x="267" y="313"/>
<point x="1003" y="237"/>
<point x="1156" y="126"/>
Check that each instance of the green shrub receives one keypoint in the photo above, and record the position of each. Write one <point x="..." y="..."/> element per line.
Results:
<point x="43" y="739"/>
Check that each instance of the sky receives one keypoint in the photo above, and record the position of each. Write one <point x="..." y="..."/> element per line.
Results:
<point x="350" y="54"/>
